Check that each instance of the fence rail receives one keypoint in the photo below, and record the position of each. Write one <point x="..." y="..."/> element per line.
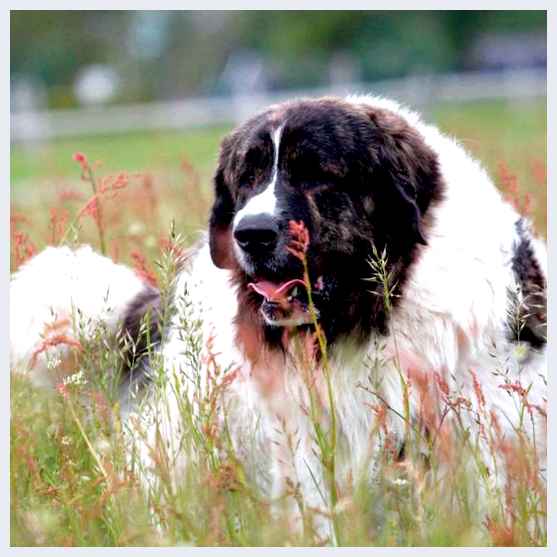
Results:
<point x="420" y="91"/>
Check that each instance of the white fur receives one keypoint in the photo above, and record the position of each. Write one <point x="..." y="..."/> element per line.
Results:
<point x="78" y="290"/>
<point x="266" y="201"/>
<point x="451" y="319"/>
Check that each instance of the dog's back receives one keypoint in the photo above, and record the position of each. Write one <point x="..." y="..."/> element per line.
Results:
<point x="59" y="297"/>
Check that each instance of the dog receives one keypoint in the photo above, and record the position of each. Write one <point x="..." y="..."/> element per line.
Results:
<point x="350" y="245"/>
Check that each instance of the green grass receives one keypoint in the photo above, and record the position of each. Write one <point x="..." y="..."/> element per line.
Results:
<point x="59" y="493"/>
<point x="134" y="152"/>
<point x="493" y="129"/>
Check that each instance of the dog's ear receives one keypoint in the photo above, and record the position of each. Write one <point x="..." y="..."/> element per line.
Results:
<point x="405" y="174"/>
<point x="222" y="213"/>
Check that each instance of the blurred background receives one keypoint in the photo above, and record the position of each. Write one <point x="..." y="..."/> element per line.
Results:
<point x="152" y="93"/>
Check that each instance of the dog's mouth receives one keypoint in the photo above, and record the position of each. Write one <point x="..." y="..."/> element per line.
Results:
<point x="284" y="304"/>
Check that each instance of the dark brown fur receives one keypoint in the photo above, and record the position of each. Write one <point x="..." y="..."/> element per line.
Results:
<point x="532" y="319"/>
<point x="357" y="177"/>
<point x="141" y="326"/>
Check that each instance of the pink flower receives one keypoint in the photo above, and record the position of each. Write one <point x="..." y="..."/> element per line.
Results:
<point x="478" y="389"/>
<point x="81" y="159"/>
<point x="299" y="242"/>
<point x="515" y="388"/>
<point x="141" y="269"/>
<point x="62" y="390"/>
<point x="91" y="208"/>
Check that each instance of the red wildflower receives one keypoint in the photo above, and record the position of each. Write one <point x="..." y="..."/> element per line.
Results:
<point x="478" y="389"/>
<point x="102" y="405"/>
<point x="58" y="220"/>
<point x="141" y="268"/>
<point x="531" y="407"/>
<point x="69" y="194"/>
<point x="495" y="424"/>
<point x="230" y="376"/>
<point x="112" y="184"/>
<point x="16" y="218"/>
<point x="501" y="534"/>
<point x="52" y="341"/>
<point x="63" y="390"/>
<point x="91" y="208"/>
<point x="514" y="388"/>
<point x="509" y="183"/>
<point x="460" y="402"/>
<point x="82" y="160"/>
<point x="24" y="249"/>
<point x="299" y="242"/>
<point x="121" y="181"/>
<point x="442" y="384"/>
<point x="539" y="172"/>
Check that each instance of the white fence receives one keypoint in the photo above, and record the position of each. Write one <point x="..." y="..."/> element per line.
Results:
<point x="194" y="112"/>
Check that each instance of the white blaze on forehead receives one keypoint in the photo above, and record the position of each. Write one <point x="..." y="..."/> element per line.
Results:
<point x="265" y="201"/>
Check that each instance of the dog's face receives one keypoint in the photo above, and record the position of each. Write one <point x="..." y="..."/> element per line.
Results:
<point x="356" y="177"/>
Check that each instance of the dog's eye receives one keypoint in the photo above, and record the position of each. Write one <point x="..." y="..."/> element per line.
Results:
<point x="255" y="163"/>
<point x="247" y="179"/>
<point x="311" y="171"/>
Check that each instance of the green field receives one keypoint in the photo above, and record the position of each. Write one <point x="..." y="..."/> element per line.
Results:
<point x="498" y="133"/>
<point x="69" y="483"/>
<point x="494" y="130"/>
<point x="133" y="152"/>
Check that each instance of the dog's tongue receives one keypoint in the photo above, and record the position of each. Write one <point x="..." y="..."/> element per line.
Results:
<point x="274" y="292"/>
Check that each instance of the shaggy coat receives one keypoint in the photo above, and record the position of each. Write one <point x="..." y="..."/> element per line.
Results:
<point x="418" y="268"/>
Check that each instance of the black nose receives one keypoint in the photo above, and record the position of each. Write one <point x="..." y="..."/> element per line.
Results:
<point x="256" y="233"/>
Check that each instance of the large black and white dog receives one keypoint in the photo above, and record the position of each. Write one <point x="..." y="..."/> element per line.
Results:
<point x="464" y="287"/>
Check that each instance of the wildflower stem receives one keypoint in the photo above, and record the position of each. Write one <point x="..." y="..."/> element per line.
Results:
<point x="86" y="439"/>
<point x="70" y="227"/>
<point x="91" y="178"/>
<point x="330" y="450"/>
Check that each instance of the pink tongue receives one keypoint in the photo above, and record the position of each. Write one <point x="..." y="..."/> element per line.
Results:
<point x="274" y="292"/>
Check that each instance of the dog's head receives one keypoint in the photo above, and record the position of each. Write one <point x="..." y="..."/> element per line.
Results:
<point x="357" y="177"/>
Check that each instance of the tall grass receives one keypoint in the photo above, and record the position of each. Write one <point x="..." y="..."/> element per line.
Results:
<point x="74" y="483"/>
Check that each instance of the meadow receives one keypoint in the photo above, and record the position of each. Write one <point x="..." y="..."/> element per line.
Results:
<point x="69" y="482"/>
